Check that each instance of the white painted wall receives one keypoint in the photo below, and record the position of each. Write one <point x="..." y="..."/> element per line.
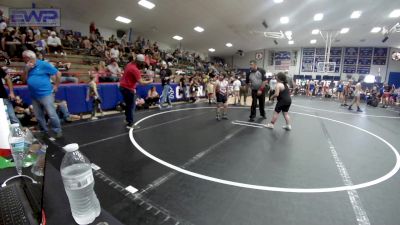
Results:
<point x="5" y="10"/>
<point x="74" y="25"/>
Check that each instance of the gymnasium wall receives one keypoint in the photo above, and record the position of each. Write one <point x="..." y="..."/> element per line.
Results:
<point x="294" y="67"/>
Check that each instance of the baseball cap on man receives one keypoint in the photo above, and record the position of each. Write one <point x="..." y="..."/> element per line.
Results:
<point x="140" y="58"/>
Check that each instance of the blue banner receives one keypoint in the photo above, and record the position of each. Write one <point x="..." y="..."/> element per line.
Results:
<point x="307" y="64"/>
<point x="34" y="17"/>
<point x="363" y="69"/>
<point x="282" y="55"/>
<point x="349" y="69"/>
<point x="320" y="51"/>
<point x="336" y="51"/>
<point x="379" y="61"/>
<point x="351" y="51"/>
<point x="350" y="61"/>
<point x="335" y="60"/>
<point x="366" y="52"/>
<point x="308" y="51"/>
<point x="364" y="61"/>
<point x="380" y="52"/>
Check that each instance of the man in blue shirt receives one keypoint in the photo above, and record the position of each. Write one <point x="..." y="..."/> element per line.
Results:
<point x="37" y="76"/>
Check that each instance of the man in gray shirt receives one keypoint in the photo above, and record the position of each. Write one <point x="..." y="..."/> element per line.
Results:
<point x="257" y="80"/>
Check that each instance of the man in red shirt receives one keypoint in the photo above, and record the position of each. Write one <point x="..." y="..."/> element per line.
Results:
<point x="127" y="85"/>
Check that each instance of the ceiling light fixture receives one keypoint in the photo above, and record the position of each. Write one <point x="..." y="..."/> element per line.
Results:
<point x="313" y="41"/>
<point x="146" y="4"/>
<point x="176" y="37"/>
<point x="315" y="32"/>
<point x="199" y="29"/>
<point x="278" y="1"/>
<point x="123" y="19"/>
<point x="318" y="16"/>
<point x="229" y="45"/>
<point x="291" y="42"/>
<point x="211" y="50"/>
<point x="344" y="30"/>
<point x="284" y="20"/>
<point x="395" y="13"/>
<point x="355" y="15"/>
<point x="376" y="30"/>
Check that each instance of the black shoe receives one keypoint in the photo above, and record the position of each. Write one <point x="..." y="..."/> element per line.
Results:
<point x="350" y="108"/>
<point x="251" y="120"/>
<point x="264" y="117"/>
<point x="8" y="62"/>
<point x="345" y="105"/>
<point x="359" y="110"/>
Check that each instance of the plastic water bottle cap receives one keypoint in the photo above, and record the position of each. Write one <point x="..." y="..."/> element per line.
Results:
<point x="71" y="147"/>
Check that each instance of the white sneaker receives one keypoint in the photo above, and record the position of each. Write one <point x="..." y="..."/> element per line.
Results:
<point x="287" y="127"/>
<point x="169" y="106"/>
<point x="270" y="126"/>
<point x="94" y="118"/>
<point x="62" y="53"/>
<point x="55" y="53"/>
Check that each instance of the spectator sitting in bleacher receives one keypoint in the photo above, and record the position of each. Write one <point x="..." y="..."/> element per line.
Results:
<point x="114" y="72"/>
<point x="40" y="44"/>
<point x="65" y="76"/>
<point x="11" y="42"/>
<point x="114" y="53"/>
<point x="100" y="44"/>
<point x="152" y="96"/>
<point x="54" y="44"/>
<point x="107" y="54"/>
<point x="29" y="40"/>
<point x="86" y="44"/>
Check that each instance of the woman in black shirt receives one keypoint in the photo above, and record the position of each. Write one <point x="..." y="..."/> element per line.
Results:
<point x="282" y="94"/>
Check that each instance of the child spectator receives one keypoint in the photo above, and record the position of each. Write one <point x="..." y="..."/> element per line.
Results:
<point x="93" y="95"/>
<point x="210" y="91"/>
<point x="236" y="90"/>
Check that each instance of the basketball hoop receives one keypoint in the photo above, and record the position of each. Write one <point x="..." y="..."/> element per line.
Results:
<point x="326" y="66"/>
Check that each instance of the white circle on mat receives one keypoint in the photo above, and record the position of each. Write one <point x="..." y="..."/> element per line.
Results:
<point x="270" y="188"/>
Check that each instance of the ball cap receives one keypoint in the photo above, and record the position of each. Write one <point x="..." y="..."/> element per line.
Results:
<point x="140" y="58"/>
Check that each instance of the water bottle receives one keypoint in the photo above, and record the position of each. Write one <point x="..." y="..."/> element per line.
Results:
<point x="17" y="144"/>
<point x="78" y="182"/>
<point x="38" y="167"/>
